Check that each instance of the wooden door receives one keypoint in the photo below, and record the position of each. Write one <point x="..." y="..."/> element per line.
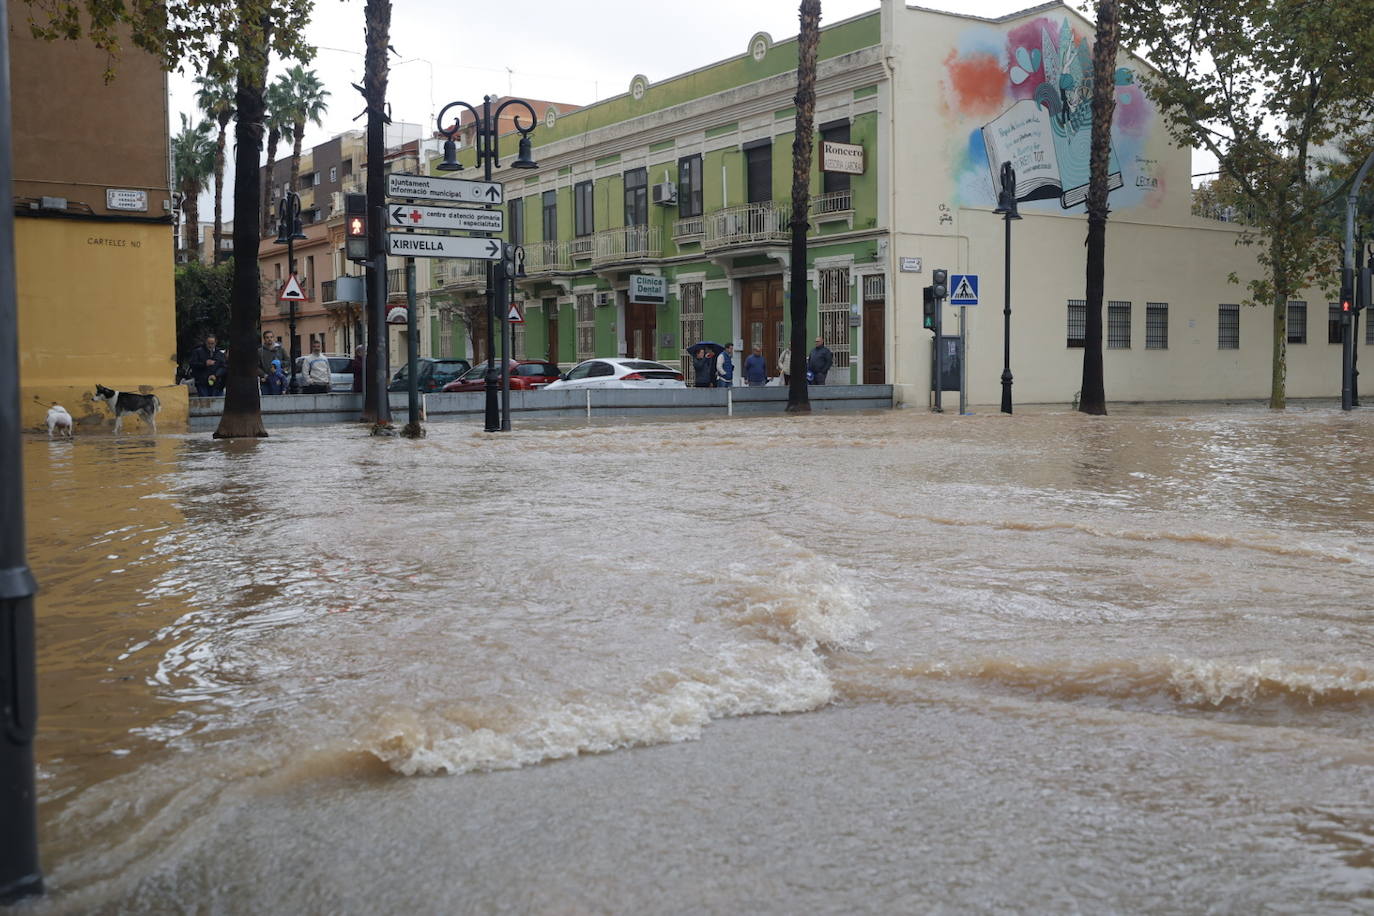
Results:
<point x="762" y="317"/>
<point x="641" y="324"/>
<point x="875" y="366"/>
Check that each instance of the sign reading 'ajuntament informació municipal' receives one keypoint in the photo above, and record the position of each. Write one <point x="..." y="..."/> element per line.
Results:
<point x="452" y="190"/>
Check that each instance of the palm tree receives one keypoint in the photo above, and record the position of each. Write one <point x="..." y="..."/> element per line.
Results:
<point x="279" y="126"/>
<point x="1093" y="396"/>
<point x="215" y="96"/>
<point x="193" y="160"/>
<point x="798" y="401"/>
<point x="303" y="98"/>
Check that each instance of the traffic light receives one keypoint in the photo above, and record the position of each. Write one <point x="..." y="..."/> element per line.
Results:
<point x="356" y="242"/>
<point x="1347" y="292"/>
<point x="1362" y="279"/>
<point x="939" y="283"/>
<point x="928" y="308"/>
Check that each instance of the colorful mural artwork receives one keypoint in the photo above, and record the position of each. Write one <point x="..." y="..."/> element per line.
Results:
<point x="1029" y="93"/>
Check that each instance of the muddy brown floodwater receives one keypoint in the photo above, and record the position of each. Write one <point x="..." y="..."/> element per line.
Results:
<point x="878" y="663"/>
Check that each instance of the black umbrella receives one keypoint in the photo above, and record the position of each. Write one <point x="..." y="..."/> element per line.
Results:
<point x="711" y="345"/>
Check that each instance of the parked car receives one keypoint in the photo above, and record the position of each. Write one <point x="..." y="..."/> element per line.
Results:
<point x="524" y="374"/>
<point x="607" y="372"/>
<point x="340" y="373"/>
<point x="433" y="374"/>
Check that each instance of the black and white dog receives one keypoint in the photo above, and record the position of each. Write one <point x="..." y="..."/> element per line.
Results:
<point x="145" y="406"/>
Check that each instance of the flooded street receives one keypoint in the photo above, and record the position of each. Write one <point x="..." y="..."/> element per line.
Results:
<point x="879" y="663"/>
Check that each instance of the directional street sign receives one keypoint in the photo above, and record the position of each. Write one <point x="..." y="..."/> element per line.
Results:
<point x="963" y="289"/>
<point x="464" y="218"/>
<point x="291" y="291"/>
<point x="424" y="245"/>
<point x="453" y="190"/>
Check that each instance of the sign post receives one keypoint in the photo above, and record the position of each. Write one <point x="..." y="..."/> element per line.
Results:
<point x="964" y="292"/>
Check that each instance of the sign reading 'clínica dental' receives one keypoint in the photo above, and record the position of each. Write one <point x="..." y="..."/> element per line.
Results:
<point x="847" y="158"/>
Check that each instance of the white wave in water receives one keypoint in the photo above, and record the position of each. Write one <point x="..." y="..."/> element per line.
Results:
<point x="801" y="607"/>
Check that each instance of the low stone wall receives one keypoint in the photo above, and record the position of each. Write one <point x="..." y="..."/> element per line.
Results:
<point x="305" y="409"/>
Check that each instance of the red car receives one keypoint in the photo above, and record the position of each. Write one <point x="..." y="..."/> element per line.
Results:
<point x="526" y="374"/>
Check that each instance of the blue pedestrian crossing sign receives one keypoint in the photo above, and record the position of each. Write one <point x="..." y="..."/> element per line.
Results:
<point x="963" y="289"/>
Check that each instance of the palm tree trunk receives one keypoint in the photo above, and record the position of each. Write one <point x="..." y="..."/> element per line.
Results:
<point x="296" y="156"/>
<point x="377" y="16"/>
<point x="1093" y="398"/>
<point x="242" y="416"/>
<point x="809" y="13"/>
<point x="190" y="210"/>
<point x="219" y="193"/>
<point x="273" y="138"/>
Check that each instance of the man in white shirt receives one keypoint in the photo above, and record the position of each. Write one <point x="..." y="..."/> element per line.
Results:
<point x="316" y="369"/>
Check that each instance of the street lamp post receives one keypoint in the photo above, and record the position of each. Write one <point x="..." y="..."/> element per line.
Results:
<point x="1006" y="205"/>
<point x="288" y="230"/>
<point x="487" y="146"/>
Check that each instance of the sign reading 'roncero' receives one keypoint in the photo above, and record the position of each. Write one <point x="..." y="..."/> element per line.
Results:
<point x="846" y="158"/>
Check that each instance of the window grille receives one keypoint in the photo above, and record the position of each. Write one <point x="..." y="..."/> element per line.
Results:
<point x="1297" y="322"/>
<point x="875" y="288"/>
<point x="517" y="338"/>
<point x="1156" y="325"/>
<point x="1333" y="323"/>
<point x="833" y="304"/>
<point x="690" y="299"/>
<point x="445" y="336"/>
<point x="1078" y="322"/>
<point x="1118" y="325"/>
<point x="586" y="326"/>
<point x="1228" y="327"/>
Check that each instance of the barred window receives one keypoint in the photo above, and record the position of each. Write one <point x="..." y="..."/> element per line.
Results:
<point x="1369" y="329"/>
<point x="693" y="329"/>
<point x="1078" y="322"/>
<point x="1297" y="322"/>
<point x="586" y="326"/>
<point x="1118" y="325"/>
<point x="1333" y="323"/>
<point x="1156" y="325"/>
<point x="445" y="335"/>
<point x="1228" y="327"/>
<point x="833" y="305"/>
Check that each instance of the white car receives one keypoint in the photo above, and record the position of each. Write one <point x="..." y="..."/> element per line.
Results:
<point x="608" y="372"/>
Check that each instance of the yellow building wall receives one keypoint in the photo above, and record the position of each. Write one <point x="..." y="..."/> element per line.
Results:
<point x="96" y="305"/>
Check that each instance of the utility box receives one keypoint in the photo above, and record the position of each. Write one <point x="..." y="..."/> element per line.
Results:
<point x="952" y="354"/>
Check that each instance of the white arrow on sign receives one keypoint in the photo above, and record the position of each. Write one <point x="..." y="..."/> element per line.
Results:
<point x="453" y="190"/>
<point x="423" y="245"/>
<point x="463" y="218"/>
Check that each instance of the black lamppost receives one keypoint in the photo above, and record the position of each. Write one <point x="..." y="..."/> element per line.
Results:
<point x="488" y="150"/>
<point x="288" y="230"/>
<point x="1006" y="205"/>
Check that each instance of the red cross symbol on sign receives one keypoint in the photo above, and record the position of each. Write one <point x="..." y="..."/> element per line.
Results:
<point x="415" y="216"/>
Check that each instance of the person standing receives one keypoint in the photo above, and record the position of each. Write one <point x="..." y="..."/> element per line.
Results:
<point x="755" y="368"/>
<point x="785" y="365"/>
<point x="359" y="354"/>
<point x="208" y="365"/>
<point x="704" y="368"/>
<point x="316" y="371"/>
<point x="818" y="363"/>
<point x="269" y="352"/>
<point x="725" y="367"/>
<point x="276" y="379"/>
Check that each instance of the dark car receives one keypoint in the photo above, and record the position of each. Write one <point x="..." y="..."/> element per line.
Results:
<point x="525" y="374"/>
<point x="432" y="374"/>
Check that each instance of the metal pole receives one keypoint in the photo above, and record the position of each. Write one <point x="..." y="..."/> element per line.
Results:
<point x="377" y="330"/>
<point x="290" y="226"/>
<point x="963" y="360"/>
<point x="20" y="874"/>
<point x="1006" y="318"/>
<point x="508" y="288"/>
<point x="939" y="354"/>
<point x="412" y="350"/>
<point x="1348" y="347"/>
<point x="486" y="152"/>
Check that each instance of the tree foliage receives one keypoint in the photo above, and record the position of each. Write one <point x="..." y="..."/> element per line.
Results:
<point x="302" y="96"/>
<point x="1264" y="85"/>
<point x="202" y="304"/>
<point x="193" y="161"/>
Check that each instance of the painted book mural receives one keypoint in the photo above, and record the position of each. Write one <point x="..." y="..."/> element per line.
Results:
<point x="1029" y="91"/>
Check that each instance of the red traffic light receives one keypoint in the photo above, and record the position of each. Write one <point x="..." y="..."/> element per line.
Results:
<point x="1346" y="306"/>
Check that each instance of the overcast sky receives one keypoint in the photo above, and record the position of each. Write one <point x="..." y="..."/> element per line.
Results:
<point x="550" y="50"/>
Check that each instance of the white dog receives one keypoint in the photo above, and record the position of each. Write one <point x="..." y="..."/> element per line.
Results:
<point x="60" y="420"/>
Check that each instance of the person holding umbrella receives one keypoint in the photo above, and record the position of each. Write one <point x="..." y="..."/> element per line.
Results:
<point x="704" y="364"/>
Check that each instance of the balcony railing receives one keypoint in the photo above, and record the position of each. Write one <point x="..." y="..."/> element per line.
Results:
<point x="396" y="282"/>
<point x="631" y="243"/>
<point x="836" y="203"/>
<point x="690" y="229"/>
<point x="464" y="273"/>
<point x="765" y="222"/>
<point x="580" y="249"/>
<point x="546" y="257"/>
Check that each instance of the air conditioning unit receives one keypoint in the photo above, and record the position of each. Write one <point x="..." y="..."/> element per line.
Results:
<point x="603" y="298"/>
<point x="665" y="193"/>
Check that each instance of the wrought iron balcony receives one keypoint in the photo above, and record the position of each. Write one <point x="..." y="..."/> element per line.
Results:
<point x="690" y="229"/>
<point x="546" y="257"/>
<point x="460" y="273"/>
<point x="630" y="243"/>
<point x="396" y="282"/>
<point x="835" y="205"/>
<point x="580" y="249"/>
<point x="766" y="222"/>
